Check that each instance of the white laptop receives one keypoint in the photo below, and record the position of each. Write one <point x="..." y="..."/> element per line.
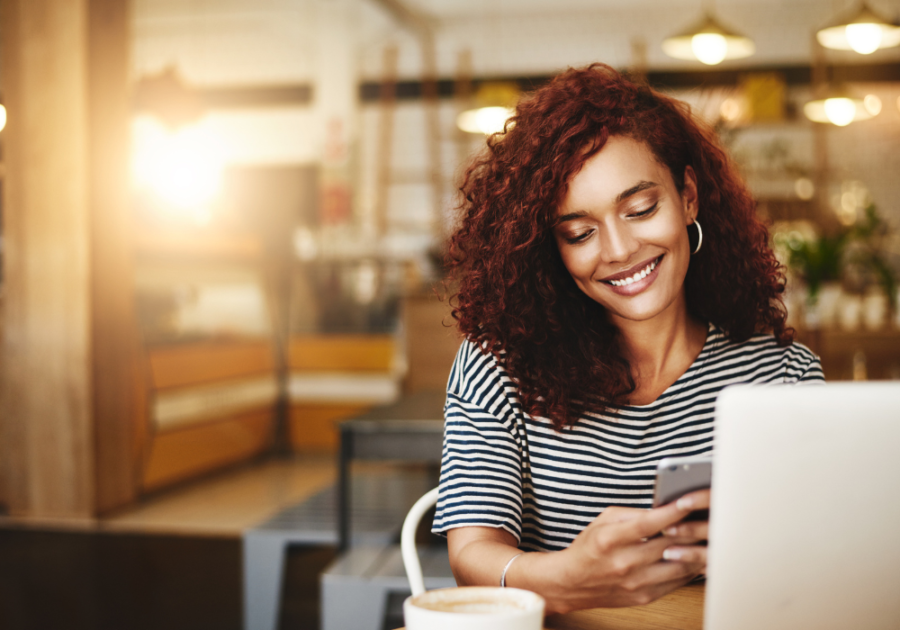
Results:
<point x="805" y="524"/>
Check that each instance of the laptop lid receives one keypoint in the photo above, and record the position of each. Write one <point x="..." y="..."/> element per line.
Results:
<point x="805" y="523"/>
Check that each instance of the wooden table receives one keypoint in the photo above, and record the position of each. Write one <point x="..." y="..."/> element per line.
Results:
<point x="681" y="610"/>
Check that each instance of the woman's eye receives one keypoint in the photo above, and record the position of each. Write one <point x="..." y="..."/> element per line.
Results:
<point x="573" y="240"/>
<point x="648" y="211"/>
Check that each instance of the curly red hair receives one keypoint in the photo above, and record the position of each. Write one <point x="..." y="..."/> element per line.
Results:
<point x="517" y="300"/>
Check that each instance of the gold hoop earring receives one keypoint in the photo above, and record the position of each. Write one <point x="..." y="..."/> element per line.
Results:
<point x="699" y="237"/>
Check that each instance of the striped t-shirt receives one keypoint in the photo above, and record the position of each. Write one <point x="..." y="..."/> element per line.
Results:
<point x="504" y="468"/>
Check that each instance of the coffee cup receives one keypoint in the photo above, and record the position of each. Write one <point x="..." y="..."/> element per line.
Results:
<point x="474" y="608"/>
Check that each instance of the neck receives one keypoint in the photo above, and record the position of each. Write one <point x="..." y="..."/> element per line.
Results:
<point x="654" y="346"/>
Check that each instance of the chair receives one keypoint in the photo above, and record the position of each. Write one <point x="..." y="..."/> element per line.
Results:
<point x="408" y="540"/>
<point x="366" y="585"/>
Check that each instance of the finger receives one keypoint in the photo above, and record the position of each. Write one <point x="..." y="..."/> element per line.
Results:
<point x="619" y="514"/>
<point x="697" y="530"/>
<point x="634" y="558"/>
<point x="697" y="500"/>
<point x="662" y="573"/>
<point x="688" y="554"/>
<point x="647" y="524"/>
<point x="679" y="541"/>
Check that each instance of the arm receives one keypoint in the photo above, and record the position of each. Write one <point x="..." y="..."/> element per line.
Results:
<point x="616" y="561"/>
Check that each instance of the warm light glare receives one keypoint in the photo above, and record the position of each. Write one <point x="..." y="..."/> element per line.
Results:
<point x="486" y="120"/>
<point x="872" y="104"/>
<point x="804" y="188"/>
<point x="730" y="109"/>
<point x="840" y="111"/>
<point x="2" y="117"/>
<point x="182" y="167"/>
<point x="863" y="33"/>
<point x="709" y="42"/>
<point x="710" y="48"/>
<point x="864" y="38"/>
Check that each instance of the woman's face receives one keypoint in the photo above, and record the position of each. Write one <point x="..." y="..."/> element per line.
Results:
<point x="622" y="231"/>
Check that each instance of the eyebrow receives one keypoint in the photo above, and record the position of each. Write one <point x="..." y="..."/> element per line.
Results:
<point x="640" y="186"/>
<point x="622" y="196"/>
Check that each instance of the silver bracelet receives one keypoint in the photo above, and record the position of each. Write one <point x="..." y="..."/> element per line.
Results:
<point x="506" y="568"/>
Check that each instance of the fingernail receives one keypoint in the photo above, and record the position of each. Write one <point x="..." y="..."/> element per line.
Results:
<point x="685" y="503"/>
<point x="672" y="531"/>
<point x="672" y="554"/>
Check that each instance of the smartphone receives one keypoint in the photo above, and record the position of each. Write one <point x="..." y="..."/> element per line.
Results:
<point x="676" y="476"/>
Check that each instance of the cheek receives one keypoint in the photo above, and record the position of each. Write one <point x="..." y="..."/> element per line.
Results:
<point x="580" y="262"/>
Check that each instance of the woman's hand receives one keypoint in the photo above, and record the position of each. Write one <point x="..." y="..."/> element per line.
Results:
<point x="616" y="561"/>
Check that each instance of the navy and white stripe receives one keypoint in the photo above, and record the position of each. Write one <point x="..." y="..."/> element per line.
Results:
<point x="504" y="468"/>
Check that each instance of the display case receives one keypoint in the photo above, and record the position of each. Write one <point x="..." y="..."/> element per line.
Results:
<point x="208" y="356"/>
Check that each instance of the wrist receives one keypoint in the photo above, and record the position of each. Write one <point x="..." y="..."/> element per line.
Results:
<point x="540" y="572"/>
<point x="506" y="568"/>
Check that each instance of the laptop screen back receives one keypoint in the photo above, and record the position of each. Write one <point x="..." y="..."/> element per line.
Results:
<point x="805" y="523"/>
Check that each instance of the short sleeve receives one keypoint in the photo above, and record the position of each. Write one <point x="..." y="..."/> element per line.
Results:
<point x="802" y="366"/>
<point x="481" y="473"/>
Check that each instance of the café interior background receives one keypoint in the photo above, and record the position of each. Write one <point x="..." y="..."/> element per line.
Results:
<point x="223" y="220"/>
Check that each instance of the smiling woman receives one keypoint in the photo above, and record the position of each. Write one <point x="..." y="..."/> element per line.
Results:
<point x="624" y="226"/>
<point x="601" y="325"/>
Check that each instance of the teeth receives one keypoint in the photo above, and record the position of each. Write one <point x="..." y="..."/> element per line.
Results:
<point x="640" y="275"/>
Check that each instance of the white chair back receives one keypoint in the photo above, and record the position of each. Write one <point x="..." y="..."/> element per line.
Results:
<point x="408" y="541"/>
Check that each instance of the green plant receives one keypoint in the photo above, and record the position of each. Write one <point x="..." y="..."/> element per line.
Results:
<point x="867" y="236"/>
<point x="819" y="260"/>
<point x="825" y="258"/>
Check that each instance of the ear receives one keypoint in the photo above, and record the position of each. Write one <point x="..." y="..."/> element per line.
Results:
<point x="689" y="197"/>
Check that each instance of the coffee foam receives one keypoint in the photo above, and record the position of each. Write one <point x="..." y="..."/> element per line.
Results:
<point x="478" y="600"/>
<point x="483" y="606"/>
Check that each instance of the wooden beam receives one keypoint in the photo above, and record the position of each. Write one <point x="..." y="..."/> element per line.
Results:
<point x="46" y="438"/>
<point x="667" y="79"/>
<point x="113" y="321"/>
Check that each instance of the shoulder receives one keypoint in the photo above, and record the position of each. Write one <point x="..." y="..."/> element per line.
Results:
<point x="477" y="379"/>
<point x="790" y="364"/>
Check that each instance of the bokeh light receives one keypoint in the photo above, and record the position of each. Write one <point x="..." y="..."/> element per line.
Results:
<point x="182" y="168"/>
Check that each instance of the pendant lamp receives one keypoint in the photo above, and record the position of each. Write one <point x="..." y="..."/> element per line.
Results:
<point x="838" y="107"/>
<point x="709" y="42"/>
<point x="495" y="102"/>
<point x="863" y="31"/>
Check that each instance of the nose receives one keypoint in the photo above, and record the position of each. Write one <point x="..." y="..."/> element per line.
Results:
<point x="618" y="243"/>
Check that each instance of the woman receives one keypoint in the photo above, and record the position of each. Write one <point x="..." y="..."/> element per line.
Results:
<point x="601" y="322"/>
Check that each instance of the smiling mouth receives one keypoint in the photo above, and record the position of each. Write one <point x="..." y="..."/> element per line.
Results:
<point x="623" y="280"/>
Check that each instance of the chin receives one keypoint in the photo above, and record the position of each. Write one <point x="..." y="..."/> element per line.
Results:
<point x="639" y="310"/>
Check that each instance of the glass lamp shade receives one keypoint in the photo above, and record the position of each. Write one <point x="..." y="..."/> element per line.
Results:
<point x="494" y="104"/>
<point x="837" y="107"/>
<point x="709" y="42"/>
<point x="864" y="31"/>
<point x="486" y="120"/>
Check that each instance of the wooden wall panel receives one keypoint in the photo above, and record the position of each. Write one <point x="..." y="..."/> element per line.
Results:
<point x="342" y="353"/>
<point x="178" y="455"/>
<point x="879" y="349"/>
<point x="432" y="342"/>
<point x="313" y="428"/>
<point x="46" y="442"/>
<point x="195" y="364"/>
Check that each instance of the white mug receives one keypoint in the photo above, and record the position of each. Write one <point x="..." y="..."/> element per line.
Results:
<point x="474" y="608"/>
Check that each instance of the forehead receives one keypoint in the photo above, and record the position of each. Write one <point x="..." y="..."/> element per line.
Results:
<point x="618" y="166"/>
